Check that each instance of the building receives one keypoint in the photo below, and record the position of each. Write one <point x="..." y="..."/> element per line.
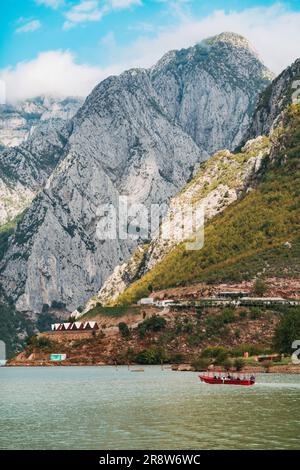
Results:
<point x="146" y="301"/>
<point x="58" y="357"/>
<point x="75" y="326"/>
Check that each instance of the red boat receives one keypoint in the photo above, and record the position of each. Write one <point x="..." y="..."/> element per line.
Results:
<point x="225" y="378"/>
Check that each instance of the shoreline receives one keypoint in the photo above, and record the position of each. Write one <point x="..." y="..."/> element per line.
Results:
<point x="283" y="369"/>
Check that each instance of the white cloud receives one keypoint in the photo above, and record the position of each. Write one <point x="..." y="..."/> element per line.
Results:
<point x="86" y="10"/>
<point x="120" y="4"/>
<point x="50" y="3"/>
<point x="273" y="31"/>
<point x="29" y="27"/>
<point x="53" y="73"/>
<point x="109" y="40"/>
<point x="90" y="10"/>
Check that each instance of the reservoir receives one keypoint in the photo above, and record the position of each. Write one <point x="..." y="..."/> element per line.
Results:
<point x="112" y="408"/>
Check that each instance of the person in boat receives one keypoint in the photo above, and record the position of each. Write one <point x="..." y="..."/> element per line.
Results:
<point x="252" y="378"/>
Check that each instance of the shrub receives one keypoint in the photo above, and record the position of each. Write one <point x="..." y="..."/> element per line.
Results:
<point x="267" y="365"/>
<point x="259" y="287"/>
<point x="239" y="364"/>
<point x="195" y="340"/>
<point x="226" y="363"/>
<point x="227" y="316"/>
<point x="40" y="342"/>
<point x="124" y="330"/>
<point x="176" y="358"/>
<point x="287" y="331"/>
<point x="218" y="353"/>
<point x="151" y="356"/>
<point x="154" y="323"/>
<point x="243" y="314"/>
<point x="252" y="349"/>
<point x="201" y="363"/>
<point x="255" y="313"/>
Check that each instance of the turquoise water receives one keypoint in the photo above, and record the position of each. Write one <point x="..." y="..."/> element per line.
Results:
<point x="109" y="408"/>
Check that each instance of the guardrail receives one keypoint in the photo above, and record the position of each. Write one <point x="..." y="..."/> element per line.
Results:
<point x="235" y="303"/>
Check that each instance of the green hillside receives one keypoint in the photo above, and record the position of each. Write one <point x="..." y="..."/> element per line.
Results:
<point x="251" y="235"/>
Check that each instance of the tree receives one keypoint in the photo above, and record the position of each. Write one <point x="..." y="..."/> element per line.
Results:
<point x="267" y="365"/>
<point x="239" y="364"/>
<point x="227" y="364"/>
<point x="287" y="331"/>
<point x="259" y="287"/>
<point x="124" y="330"/>
<point x="201" y="363"/>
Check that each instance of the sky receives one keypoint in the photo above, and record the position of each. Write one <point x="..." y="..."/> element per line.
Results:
<point x="66" y="47"/>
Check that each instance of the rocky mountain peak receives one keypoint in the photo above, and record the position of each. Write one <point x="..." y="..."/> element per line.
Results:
<point x="141" y="134"/>
<point x="230" y="38"/>
<point x="274" y="99"/>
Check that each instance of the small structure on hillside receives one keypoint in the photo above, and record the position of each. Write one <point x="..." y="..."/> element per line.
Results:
<point x="146" y="301"/>
<point x="58" y="357"/>
<point x="269" y="357"/>
<point x="75" y="326"/>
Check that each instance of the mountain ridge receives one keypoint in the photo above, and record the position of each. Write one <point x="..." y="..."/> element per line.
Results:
<point x="137" y="134"/>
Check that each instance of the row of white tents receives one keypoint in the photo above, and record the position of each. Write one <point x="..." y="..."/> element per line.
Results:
<point x="75" y="326"/>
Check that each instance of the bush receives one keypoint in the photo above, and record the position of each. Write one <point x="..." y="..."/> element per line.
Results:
<point x="124" y="330"/>
<point x="217" y="353"/>
<point x="201" y="363"/>
<point x="252" y="349"/>
<point x="259" y="287"/>
<point x="255" y="313"/>
<point x="195" y="340"/>
<point x="40" y="342"/>
<point x="239" y="364"/>
<point x="228" y="316"/>
<point x="176" y="358"/>
<point x="151" y="356"/>
<point x="267" y="365"/>
<point x="226" y="363"/>
<point x="243" y="314"/>
<point x="154" y="323"/>
<point x="287" y="331"/>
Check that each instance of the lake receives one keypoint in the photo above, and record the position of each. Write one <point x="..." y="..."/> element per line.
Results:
<point x="114" y="408"/>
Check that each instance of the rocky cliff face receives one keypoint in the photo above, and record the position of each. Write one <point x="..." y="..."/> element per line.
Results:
<point x="44" y="126"/>
<point x="211" y="89"/>
<point x="24" y="169"/>
<point x="122" y="143"/>
<point x="273" y="101"/>
<point x="137" y="135"/>
<point x="18" y="121"/>
<point x="218" y="183"/>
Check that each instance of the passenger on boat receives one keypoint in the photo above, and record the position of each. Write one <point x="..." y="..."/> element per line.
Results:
<point x="252" y="378"/>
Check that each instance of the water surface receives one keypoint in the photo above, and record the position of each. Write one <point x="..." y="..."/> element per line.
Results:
<point x="109" y="408"/>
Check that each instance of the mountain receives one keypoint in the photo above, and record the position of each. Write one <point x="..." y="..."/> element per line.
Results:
<point x="17" y="121"/>
<point x="211" y="89"/>
<point x="25" y="168"/>
<point x="257" y="235"/>
<point x="274" y="100"/>
<point x="142" y="134"/>
<point x="219" y="182"/>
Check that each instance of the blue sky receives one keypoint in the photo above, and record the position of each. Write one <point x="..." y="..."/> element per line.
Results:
<point x="91" y="39"/>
